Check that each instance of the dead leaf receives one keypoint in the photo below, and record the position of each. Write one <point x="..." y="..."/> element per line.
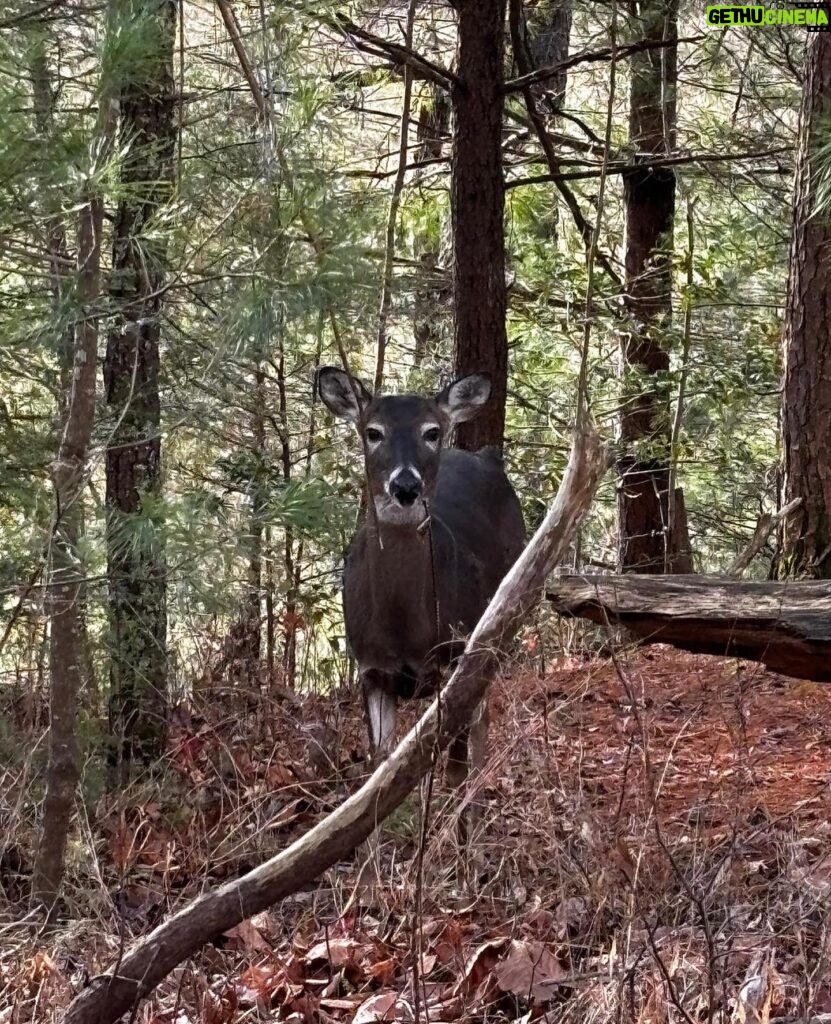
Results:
<point x="382" y="971"/>
<point x="479" y="965"/>
<point x="529" y="971"/>
<point x="385" y="1006"/>
<point x="762" y="990"/>
<point x="246" y="936"/>
<point x="257" y="986"/>
<point x="338" y="952"/>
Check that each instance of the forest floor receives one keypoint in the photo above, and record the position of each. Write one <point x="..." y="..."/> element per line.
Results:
<point x="654" y="847"/>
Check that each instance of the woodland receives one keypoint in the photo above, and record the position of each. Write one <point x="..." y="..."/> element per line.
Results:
<point x="618" y="212"/>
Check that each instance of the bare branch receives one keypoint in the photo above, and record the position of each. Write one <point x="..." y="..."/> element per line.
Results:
<point x="109" y="996"/>
<point x="669" y="161"/>
<point x="523" y="62"/>
<point x="589" y="57"/>
<point x="767" y="523"/>
<point x="377" y="46"/>
<point x="232" y="25"/>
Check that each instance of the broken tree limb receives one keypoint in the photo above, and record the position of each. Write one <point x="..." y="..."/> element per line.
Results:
<point x="767" y="523"/>
<point x="109" y="996"/>
<point x="786" y="626"/>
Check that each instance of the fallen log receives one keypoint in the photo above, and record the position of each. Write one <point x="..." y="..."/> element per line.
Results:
<point x="786" y="626"/>
<point x="109" y="996"/>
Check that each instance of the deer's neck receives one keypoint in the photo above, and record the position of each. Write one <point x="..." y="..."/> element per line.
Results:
<point x="401" y="557"/>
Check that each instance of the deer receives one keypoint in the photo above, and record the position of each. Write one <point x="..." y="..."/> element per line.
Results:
<point x="441" y="528"/>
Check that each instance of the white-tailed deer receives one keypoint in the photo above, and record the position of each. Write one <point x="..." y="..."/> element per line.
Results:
<point x="443" y="528"/>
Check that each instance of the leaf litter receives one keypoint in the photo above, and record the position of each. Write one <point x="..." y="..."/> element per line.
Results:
<point x="654" y="845"/>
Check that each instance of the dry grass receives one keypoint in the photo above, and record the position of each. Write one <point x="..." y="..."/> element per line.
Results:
<point x="654" y="847"/>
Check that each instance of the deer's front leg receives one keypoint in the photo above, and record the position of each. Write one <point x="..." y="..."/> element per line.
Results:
<point x="380" y="707"/>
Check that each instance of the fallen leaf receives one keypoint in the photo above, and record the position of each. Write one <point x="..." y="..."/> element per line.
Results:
<point x="385" y="1006"/>
<point x="761" y="991"/>
<point x="257" y="986"/>
<point x="529" y="971"/>
<point x="382" y="971"/>
<point x="246" y="936"/>
<point x="337" y="952"/>
<point x="479" y="965"/>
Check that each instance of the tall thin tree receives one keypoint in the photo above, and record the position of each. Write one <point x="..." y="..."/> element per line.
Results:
<point x="806" y="394"/>
<point x="135" y="537"/>
<point x="67" y="661"/>
<point x="647" y="543"/>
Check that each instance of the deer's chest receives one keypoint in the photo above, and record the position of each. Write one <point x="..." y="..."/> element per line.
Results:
<point x="391" y="614"/>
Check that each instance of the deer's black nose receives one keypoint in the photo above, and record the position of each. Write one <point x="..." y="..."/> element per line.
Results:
<point x="405" y="487"/>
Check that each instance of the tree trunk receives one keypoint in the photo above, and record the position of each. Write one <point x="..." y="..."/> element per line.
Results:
<point x="785" y="626"/>
<point x="478" y="202"/>
<point x="66" y="651"/>
<point x="806" y="400"/>
<point x="646" y="544"/>
<point x="61" y="282"/>
<point x="43" y="105"/>
<point x="135" y="537"/>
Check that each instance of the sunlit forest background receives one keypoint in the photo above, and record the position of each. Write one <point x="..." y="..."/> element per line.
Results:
<point x="272" y="232"/>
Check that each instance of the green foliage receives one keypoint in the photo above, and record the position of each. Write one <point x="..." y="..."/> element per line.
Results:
<point x="276" y="232"/>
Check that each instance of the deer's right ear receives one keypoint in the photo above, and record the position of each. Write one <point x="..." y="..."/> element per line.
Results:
<point x="345" y="396"/>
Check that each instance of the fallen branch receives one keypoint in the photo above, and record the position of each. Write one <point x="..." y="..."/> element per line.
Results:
<point x="153" y="957"/>
<point x="786" y="626"/>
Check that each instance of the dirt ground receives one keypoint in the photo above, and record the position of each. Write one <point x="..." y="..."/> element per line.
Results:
<point x="653" y="845"/>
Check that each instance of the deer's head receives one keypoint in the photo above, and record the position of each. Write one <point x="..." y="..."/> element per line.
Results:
<point x="402" y="436"/>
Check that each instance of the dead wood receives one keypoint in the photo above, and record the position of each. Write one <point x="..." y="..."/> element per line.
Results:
<point x="767" y="523"/>
<point x="153" y="957"/>
<point x="786" y="626"/>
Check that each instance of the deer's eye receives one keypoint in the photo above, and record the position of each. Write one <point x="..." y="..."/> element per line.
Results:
<point x="374" y="435"/>
<point x="432" y="435"/>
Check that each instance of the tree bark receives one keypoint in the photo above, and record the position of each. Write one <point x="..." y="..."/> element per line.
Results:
<point x="109" y="996"/>
<point x="477" y="196"/>
<point x="806" y="398"/>
<point x="786" y="626"/>
<point x="645" y="541"/>
<point x="135" y="537"/>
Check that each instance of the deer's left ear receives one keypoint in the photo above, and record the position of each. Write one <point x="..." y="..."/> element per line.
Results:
<point x="464" y="398"/>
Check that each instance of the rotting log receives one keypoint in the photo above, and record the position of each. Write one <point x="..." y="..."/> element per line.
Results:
<point x="109" y="996"/>
<point x="786" y="626"/>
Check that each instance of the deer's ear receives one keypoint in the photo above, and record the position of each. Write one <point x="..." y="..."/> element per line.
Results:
<point x="345" y="396"/>
<point x="463" y="399"/>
